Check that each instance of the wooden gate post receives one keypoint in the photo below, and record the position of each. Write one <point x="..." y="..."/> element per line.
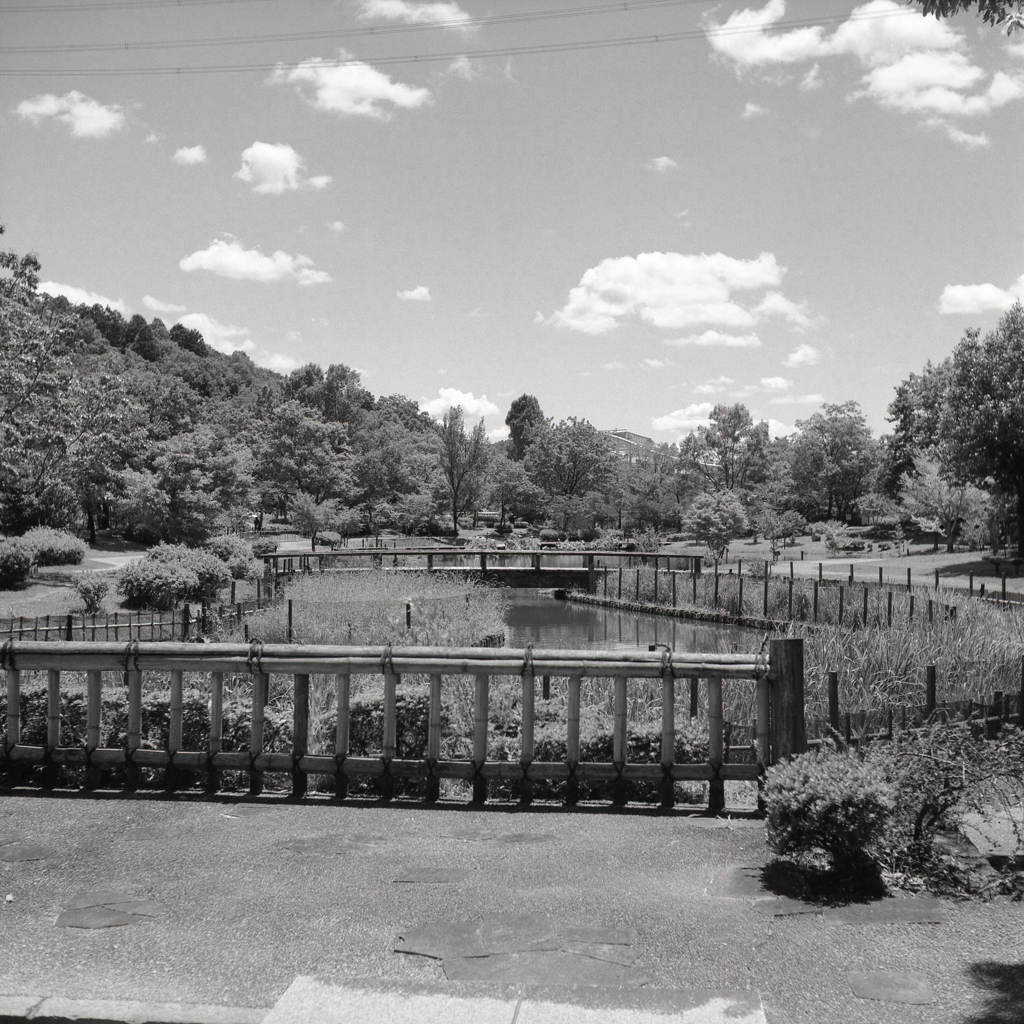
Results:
<point x="789" y="733"/>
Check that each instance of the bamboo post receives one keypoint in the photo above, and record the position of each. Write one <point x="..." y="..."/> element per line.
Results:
<point x="694" y="696"/>
<point x="740" y="581"/>
<point x="879" y="575"/>
<point x="936" y="579"/>
<point x="820" y="577"/>
<point x="637" y="597"/>
<point x="763" y="721"/>
<point x="888" y="612"/>
<point x="833" y="700"/>
<point x="655" y="579"/>
<point x="12" y="737"/>
<point x="789" y="603"/>
<point x="483" y="683"/>
<point x="840" y="604"/>
<point x="929" y="691"/>
<point x="619" y="794"/>
<point x="668" y="738"/>
<point x="791" y="567"/>
<point x="970" y="584"/>
<point x="342" y="683"/>
<point x="93" y="711"/>
<point x="675" y="603"/>
<point x="216" y="741"/>
<point x="1002" y="596"/>
<point x="931" y="610"/>
<point x="910" y="608"/>
<point x="816" y="600"/>
<point x="290" y="633"/>
<point x="908" y="577"/>
<point x="50" y="775"/>
<point x="693" y="576"/>
<point x="716" y="746"/>
<point x="620" y="581"/>
<point x="260" y="692"/>
<point x="69" y="628"/>
<point x="300" y="733"/>
<point x="865" y="605"/>
<point x="716" y="585"/>
<point x="851" y="574"/>
<point x="174" y="734"/>
<point x="766" y="589"/>
<point x="133" y="740"/>
<point x="605" y="578"/>
<point x="789" y="734"/>
<point x="529" y="692"/>
<point x="572" y="740"/>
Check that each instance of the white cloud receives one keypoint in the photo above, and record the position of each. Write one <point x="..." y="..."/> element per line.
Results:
<point x="449" y="398"/>
<point x="188" y="156"/>
<point x="87" y="118"/>
<point x="778" y="429"/>
<point x="913" y="65"/>
<point x="224" y="338"/>
<point x="499" y="433"/>
<point x="226" y="257"/>
<point x="810" y="82"/>
<point x="685" y="420"/>
<point x="803" y="355"/>
<point x="167" y="308"/>
<point x="714" y="386"/>
<point x="450" y="15"/>
<point x="276" y="361"/>
<point x="336" y="225"/>
<point x="82" y="297"/>
<point x="465" y="68"/>
<point x="656" y="364"/>
<point x="754" y="110"/>
<point x="671" y="290"/>
<point x="613" y="365"/>
<point x="274" y="167"/>
<point x="797" y="400"/>
<point x="718" y="339"/>
<point x="776" y="304"/>
<point x="353" y="88"/>
<point x="980" y="298"/>
<point x="776" y="383"/>
<point x="661" y="164"/>
<point x="421" y="293"/>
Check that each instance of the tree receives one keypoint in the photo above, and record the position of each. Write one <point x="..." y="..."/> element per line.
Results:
<point x="730" y="453"/>
<point x="983" y="411"/>
<point x="993" y="12"/>
<point x="311" y="516"/>
<point x="716" y="519"/>
<point x="525" y="422"/>
<point x="570" y="459"/>
<point x="834" y="459"/>
<point x="511" y="490"/>
<point x="930" y="494"/>
<point x="915" y="413"/>
<point x="462" y="462"/>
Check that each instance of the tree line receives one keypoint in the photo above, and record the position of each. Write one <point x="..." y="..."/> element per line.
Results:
<point x="109" y="422"/>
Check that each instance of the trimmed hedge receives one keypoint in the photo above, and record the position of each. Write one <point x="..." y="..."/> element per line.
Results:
<point x="54" y="547"/>
<point x="15" y="563"/>
<point x="170" y="574"/>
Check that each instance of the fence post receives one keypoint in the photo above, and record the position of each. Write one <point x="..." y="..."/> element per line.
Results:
<point x="289" y="620"/>
<point x="619" y="742"/>
<point x="300" y="733"/>
<point x="529" y="686"/>
<point x="572" y="740"/>
<point x="929" y="691"/>
<point x="815" y="600"/>
<point x="668" y="736"/>
<point x="716" y="745"/>
<point x="766" y="589"/>
<point x="888" y="613"/>
<point x="1003" y="595"/>
<point x="908" y="577"/>
<point x="674" y="602"/>
<point x="69" y="631"/>
<point x="789" y="733"/>
<point x="483" y="683"/>
<point x="591" y="578"/>
<point x="851" y="574"/>
<point x="819" y="573"/>
<point x="694" y="577"/>
<point x="936" y="579"/>
<point x="186" y="622"/>
<point x="833" y="700"/>
<point x="637" y="598"/>
<point x="865" y="606"/>
<point x="694" y="696"/>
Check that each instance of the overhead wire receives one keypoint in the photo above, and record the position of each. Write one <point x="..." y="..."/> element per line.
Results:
<point x="462" y="53"/>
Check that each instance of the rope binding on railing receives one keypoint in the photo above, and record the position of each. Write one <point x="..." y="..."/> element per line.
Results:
<point x="527" y="669"/>
<point x="387" y="666"/>
<point x="255" y="655"/>
<point x="131" y="654"/>
<point x="7" y="655"/>
<point x="761" y="664"/>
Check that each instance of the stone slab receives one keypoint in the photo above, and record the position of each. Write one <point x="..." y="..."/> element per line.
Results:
<point x="443" y="939"/>
<point x="624" y="955"/>
<point x="889" y="911"/>
<point x="541" y="968"/>
<point x="597" y="933"/>
<point x="18" y="852"/>
<point x="518" y="933"/>
<point x="96" y="898"/>
<point x="892" y="986"/>
<point x="646" y="1006"/>
<point x="96" y="917"/>
<point x="108" y="1011"/>
<point x="785" y="907"/>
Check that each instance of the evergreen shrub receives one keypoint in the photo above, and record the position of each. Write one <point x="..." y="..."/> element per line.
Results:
<point x="15" y="563"/>
<point x="54" y="547"/>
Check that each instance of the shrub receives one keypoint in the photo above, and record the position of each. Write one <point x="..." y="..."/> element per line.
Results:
<point x="235" y="553"/>
<point x="263" y="546"/>
<point x="15" y="563"/>
<point x="54" y="547"/>
<point x="92" y="588"/>
<point x="158" y="585"/>
<point x="549" y="534"/>
<point x="210" y="570"/>
<point x="830" y="803"/>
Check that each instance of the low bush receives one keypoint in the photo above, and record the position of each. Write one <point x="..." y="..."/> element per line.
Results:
<point x="157" y="585"/>
<point x="263" y="546"/>
<point x="235" y="552"/>
<point x="15" y="563"/>
<point x="829" y="803"/>
<point x="54" y="547"/>
<point x="549" y="534"/>
<point x="211" y="572"/>
<point x="92" y="589"/>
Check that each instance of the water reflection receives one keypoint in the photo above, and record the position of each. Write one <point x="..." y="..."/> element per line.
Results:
<point x="545" y="622"/>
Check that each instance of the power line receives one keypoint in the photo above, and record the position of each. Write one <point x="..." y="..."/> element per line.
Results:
<point x="120" y="5"/>
<point x="376" y="30"/>
<point x="510" y="51"/>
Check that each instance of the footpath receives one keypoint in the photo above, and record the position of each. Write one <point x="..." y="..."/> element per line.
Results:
<point x="191" y="911"/>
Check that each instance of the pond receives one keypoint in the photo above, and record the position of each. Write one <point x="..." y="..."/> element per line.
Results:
<point x="537" y="618"/>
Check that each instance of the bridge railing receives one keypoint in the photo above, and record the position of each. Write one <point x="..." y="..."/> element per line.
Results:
<point x="777" y="682"/>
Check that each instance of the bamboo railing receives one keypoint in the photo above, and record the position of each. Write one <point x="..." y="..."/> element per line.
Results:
<point x="778" y="682"/>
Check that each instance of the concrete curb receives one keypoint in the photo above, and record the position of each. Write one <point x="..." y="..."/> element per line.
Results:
<point x="58" y="1010"/>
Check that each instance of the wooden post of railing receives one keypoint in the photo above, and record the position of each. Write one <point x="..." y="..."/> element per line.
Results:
<point x="620" y="581"/>
<point x="572" y="740"/>
<point x="526" y="758"/>
<point x="260" y="692"/>
<point x="693" y="577"/>
<point x="483" y="563"/>
<point x="694" y="696"/>
<point x="430" y="563"/>
<point x="483" y="685"/>
<point x="619" y="793"/>
<point x="668" y="737"/>
<point x="908" y="577"/>
<point x="740" y="580"/>
<point x="133" y="740"/>
<point x="789" y="734"/>
<point x="172" y="778"/>
<point x="433" y="787"/>
<point x="536" y="565"/>
<point x="69" y="628"/>
<point x="93" y="711"/>
<point x="300" y="733"/>
<point x="815" y="600"/>
<point x="763" y="722"/>
<point x="342" y="682"/>
<point x="655" y="579"/>
<point x="833" y="700"/>
<point x="389" y="750"/>
<point x="840" y="604"/>
<point x="51" y="773"/>
<point x="929" y="691"/>
<point x="591" y="578"/>
<point x="888" y="609"/>
<point x="12" y="735"/>
<point x="910" y="608"/>
<point x="865" y="605"/>
<point x="716" y="744"/>
<point x="216" y="741"/>
<point x="789" y="599"/>
<point x="766" y="570"/>
<point x="636" y="596"/>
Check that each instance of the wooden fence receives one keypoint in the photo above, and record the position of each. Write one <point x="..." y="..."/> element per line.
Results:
<point x="777" y="681"/>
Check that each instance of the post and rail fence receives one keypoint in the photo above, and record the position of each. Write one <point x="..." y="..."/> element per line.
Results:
<point x="777" y="682"/>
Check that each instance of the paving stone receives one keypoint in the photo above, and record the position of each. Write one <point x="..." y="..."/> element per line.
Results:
<point x="518" y="933"/>
<point x="117" y="1011"/>
<point x="438" y="876"/>
<point x="598" y="934"/>
<point x="442" y="939"/>
<point x="145" y="833"/>
<point x="641" y="1006"/>
<point x="785" y="907"/>
<point x="17" y="852"/>
<point x="541" y="968"/>
<point x="143" y="908"/>
<point x="243" y="811"/>
<point x="624" y="955"/>
<point x="96" y="898"/>
<point x="889" y="911"/>
<point x="106" y="909"/>
<point x="96" y="917"/>
<point x="892" y="986"/>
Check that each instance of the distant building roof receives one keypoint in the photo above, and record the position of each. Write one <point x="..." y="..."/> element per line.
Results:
<point x="628" y="444"/>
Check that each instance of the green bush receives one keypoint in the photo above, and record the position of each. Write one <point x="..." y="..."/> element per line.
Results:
<point x="235" y="553"/>
<point x="54" y="547"/>
<point x="211" y="572"/>
<point x="157" y="585"/>
<point x="15" y="563"/>
<point x="263" y="546"/>
<point x="831" y="803"/>
<point x="92" y="589"/>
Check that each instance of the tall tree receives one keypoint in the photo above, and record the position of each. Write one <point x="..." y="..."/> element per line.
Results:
<point x="570" y="459"/>
<point x="730" y="453"/>
<point x="462" y="462"/>
<point x="929" y="493"/>
<point x="994" y="12"/>
<point x="525" y="422"/>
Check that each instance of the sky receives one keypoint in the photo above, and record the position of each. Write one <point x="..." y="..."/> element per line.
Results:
<point x="633" y="214"/>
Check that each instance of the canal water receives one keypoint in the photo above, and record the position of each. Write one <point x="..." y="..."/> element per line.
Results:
<point x="535" y="617"/>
